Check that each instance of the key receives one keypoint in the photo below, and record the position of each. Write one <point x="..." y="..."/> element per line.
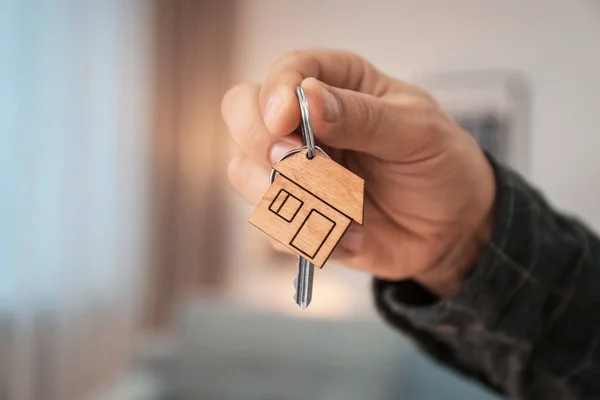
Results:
<point x="310" y="203"/>
<point x="303" y="282"/>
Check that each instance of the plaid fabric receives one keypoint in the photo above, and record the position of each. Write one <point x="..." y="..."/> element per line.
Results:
<point x="526" y="323"/>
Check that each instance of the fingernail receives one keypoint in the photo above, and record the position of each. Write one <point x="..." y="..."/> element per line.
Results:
<point x="273" y="106"/>
<point x="332" y="107"/>
<point x="352" y="240"/>
<point x="279" y="149"/>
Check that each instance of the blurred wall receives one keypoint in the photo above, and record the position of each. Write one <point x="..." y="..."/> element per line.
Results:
<point x="554" y="43"/>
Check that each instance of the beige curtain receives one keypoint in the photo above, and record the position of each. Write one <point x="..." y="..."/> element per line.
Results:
<point x="193" y="59"/>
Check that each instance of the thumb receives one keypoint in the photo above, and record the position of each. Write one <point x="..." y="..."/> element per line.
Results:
<point x="350" y="120"/>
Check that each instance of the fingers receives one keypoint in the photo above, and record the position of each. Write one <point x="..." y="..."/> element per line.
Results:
<point x="391" y="130"/>
<point x="346" y="119"/>
<point x="248" y="177"/>
<point x="243" y="118"/>
<point x="347" y="104"/>
<point x="397" y="127"/>
<point x="343" y="69"/>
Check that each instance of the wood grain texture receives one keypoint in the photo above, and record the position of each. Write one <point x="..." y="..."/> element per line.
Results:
<point x="328" y="181"/>
<point x="299" y="220"/>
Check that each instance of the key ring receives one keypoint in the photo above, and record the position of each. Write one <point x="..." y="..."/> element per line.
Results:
<point x="307" y="133"/>
<point x="291" y="153"/>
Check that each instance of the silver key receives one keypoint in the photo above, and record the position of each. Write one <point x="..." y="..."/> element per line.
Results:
<point x="304" y="279"/>
<point x="303" y="282"/>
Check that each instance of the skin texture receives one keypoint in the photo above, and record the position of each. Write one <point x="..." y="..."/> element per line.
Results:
<point x="429" y="188"/>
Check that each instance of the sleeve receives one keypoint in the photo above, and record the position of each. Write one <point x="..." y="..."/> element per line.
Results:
<point x="526" y="321"/>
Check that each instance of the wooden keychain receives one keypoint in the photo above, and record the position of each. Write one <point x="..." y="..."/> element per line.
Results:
<point x="309" y="206"/>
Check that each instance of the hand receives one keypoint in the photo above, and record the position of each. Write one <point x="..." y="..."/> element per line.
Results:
<point x="429" y="189"/>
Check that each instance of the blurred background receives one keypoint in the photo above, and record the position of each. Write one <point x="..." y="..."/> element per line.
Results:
<point x="127" y="267"/>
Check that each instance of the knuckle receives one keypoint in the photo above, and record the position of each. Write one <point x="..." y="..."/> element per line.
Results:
<point x="243" y="121"/>
<point x="252" y="137"/>
<point x="304" y="62"/>
<point x="432" y="125"/>
<point x="371" y="116"/>
<point x="427" y="116"/>
<point x="232" y="96"/>
<point x="290" y="58"/>
<point x="236" y="172"/>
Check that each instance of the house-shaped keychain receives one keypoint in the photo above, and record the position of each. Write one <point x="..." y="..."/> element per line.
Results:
<point x="310" y="205"/>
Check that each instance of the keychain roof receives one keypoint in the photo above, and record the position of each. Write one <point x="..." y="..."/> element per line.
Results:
<point x="326" y="180"/>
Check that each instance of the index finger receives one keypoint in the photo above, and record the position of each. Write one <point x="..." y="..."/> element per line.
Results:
<point x="342" y="69"/>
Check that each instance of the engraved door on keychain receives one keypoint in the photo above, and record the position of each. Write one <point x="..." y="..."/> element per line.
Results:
<point x="309" y="206"/>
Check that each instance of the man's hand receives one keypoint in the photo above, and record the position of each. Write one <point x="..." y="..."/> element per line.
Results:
<point x="429" y="189"/>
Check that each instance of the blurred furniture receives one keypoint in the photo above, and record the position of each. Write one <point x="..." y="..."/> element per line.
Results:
<point x="225" y="352"/>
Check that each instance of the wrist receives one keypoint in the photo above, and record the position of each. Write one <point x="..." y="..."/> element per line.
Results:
<point x="447" y="277"/>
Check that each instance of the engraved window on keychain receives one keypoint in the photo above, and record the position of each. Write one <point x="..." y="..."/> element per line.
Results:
<point x="309" y="206"/>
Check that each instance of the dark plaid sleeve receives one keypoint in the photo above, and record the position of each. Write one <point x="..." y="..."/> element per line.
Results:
<point x="526" y="322"/>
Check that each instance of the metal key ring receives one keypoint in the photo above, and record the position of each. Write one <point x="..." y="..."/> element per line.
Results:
<point x="291" y="153"/>
<point x="306" y="126"/>
<point x="307" y="135"/>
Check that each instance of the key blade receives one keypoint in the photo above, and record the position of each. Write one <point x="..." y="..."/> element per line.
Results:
<point x="303" y="282"/>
